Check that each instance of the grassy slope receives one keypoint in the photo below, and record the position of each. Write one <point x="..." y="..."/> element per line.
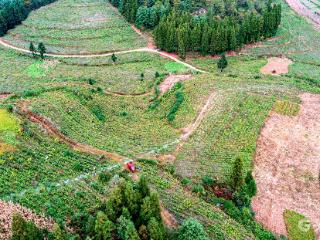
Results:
<point x="298" y="226"/>
<point x="69" y="26"/>
<point x="21" y="73"/>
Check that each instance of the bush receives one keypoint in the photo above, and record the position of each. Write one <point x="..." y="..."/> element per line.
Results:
<point x="208" y="181"/>
<point x="237" y="175"/>
<point x="185" y="181"/>
<point x="192" y="230"/>
<point x="105" y="177"/>
<point x="25" y="230"/>
<point x="179" y="100"/>
<point x="197" y="188"/>
<point x="78" y="167"/>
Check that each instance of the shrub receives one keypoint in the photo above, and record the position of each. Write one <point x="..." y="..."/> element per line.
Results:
<point x="197" y="188"/>
<point x="25" y="230"/>
<point x="179" y="100"/>
<point x="105" y="177"/>
<point x="78" y="167"/>
<point x="191" y="229"/>
<point x="251" y="186"/>
<point x="185" y="181"/>
<point x="208" y="181"/>
<point x="148" y="161"/>
<point x="91" y="81"/>
<point x="237" y="177"/>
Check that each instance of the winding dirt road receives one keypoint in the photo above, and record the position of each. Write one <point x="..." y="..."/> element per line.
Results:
<point x="149" y="50"/>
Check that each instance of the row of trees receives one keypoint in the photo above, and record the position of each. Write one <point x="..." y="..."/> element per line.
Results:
<point x="181" y="32"/>
<point x="13" y="12"/>
<point x="132" y="212"/>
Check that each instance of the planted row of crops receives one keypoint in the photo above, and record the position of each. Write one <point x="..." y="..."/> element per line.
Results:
<point x="230" y="130"/>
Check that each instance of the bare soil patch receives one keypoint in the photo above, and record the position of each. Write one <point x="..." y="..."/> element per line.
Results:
<point x="5" y="95"/>
<point x="170" y="81"/>
<point x="168" y="218"/>
<point x="276" y="66"/>
<point x="287" y="165"/>
<point x="8" y="209"/>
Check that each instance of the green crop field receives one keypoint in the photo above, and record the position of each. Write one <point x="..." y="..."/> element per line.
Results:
<point x="68" y="125"/>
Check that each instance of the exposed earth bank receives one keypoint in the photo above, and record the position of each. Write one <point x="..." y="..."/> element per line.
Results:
<point x="287" y="166"/>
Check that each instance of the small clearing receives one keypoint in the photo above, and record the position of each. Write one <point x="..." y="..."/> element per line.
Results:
<point x="8" y="209"/>
<point x="287" y="166"/>
<point x="170" y="81"/>
<point x="276" y="66"/>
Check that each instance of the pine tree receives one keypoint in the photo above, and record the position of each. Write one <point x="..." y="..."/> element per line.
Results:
<point x="143" y="187"/>
<point x="205" y="40"/>
<point x="103" y="227"/>
<point x="222" y="63"/>
<point x="42" y="50"/>
<point x="114" y="58"/>
<point x="126" y="229"/>
<point x="156" y="229"/>
<point x="251" y="187"/>
<point x="32" y="49"/>
<point x="237" y="174"/>
<point x="57" y="232"/>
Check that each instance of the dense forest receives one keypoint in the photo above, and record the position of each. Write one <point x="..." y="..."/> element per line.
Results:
<point x="13" y="12"/>
<point x="198" y="26"/>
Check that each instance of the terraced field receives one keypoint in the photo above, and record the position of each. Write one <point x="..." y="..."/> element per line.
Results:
<point x="117" y="111"/>
<point x="73" y="27"/>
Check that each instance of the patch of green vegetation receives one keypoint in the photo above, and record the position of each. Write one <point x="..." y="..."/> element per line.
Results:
<point x="298" y="226"/>
<point x="174" y="67"/>
<point x="9" y="128"/>
<point x="36" y="70"/>
<point x="286" y="108"/>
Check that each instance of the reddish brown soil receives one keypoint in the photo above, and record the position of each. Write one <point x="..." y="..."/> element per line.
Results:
<point x="4" y="95"/>
<point x="169" y="82"/>
<point x="287" y="166"/>
<point x="151" y="44"/>
<point x="276" y="66"/>
<point x="6" y="213"/>
<point x="168" y="218"/>
<point x="51" y="129"/>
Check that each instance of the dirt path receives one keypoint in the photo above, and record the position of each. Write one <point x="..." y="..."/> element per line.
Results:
<point x="51" y="129"/>
<point x="188" y="131"/>
<point x="287" y="166"/>
<point x="171" y="80"/>
<point x="8" y="209"/>
<point x="150" y="50"/>
<point x="276" y="66"/>
<point x="302" y="10"/>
